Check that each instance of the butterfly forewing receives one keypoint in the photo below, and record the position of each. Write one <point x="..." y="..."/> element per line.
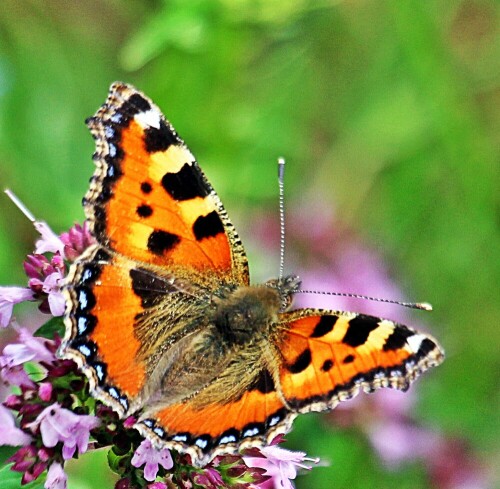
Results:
<point x="149" y="199"/>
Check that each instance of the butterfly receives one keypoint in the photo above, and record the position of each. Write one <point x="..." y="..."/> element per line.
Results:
<point x="162" y="319"/>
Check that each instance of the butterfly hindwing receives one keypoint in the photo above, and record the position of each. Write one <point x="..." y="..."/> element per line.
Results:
<point x="204" y="432"/>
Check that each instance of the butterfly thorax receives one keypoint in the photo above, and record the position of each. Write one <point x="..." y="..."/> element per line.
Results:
<point x="245" y="313"/>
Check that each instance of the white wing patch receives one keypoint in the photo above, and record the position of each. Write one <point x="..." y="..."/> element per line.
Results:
<point x="415" y="341"/>
<point x="150" y="118"/>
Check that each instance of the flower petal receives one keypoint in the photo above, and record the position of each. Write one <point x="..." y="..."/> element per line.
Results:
<point x="57" y="303"/>
<point x="10" y="296"/>
<point x="49" y="241"/>
<point x="10" y="434"/>
<point x="56" y="477"/>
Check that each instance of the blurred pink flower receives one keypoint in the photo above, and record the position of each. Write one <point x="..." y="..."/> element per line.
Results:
<point x="147" y="454"/>
<point x="56" y="477"/>
<point x="10" y="296"/>
<point x="396" y="441"/>
<point x="57" y="424"/>
<point x="10" y="434"/>
<point x="49" y="241"/>
<point x="280" y="465"/>
<point x="15" y="355"/>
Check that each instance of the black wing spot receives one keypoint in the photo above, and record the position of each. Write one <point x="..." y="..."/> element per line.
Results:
<point x="348" y="359"/>
<point x="327" y="365"/>
<point x="324" y="326"/>
<point x="146" y="187"/>
<point x="426" y="347"/>
<point x="90" y="273"/>
<point x="87" y="348"/>
<point x="359" y="329"/>
<point x="85" y="299"/>
<point x="139" y="103"/>
<point x="159" y="139"/>
<point x="264" y="382"/>
<point x="85" y="324"/>
<point x="397" y="339"/>
<point x="144" y="210"/>
<point x="186" y="184"/>
<point x="207" y="226"/>
<point x="301" y="362"/>
<point x="160" y="242"/>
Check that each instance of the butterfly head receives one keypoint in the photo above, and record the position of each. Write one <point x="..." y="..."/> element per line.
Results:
<point x="286" y="288"/>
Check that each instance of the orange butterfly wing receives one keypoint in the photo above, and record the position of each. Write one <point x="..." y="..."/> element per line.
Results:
<point x="150" y="208"/>
<point x="253" y="420"/>
<point x="329" y="356"/>
<point x="100" y="327"/>
<point x="149" y="199"/>
<point x="326" y="357"/>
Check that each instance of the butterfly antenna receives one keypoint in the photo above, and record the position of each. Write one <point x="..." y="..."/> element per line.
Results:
<point x="424" y="306"/>
<point x="17" y="202"/>
<point x="281" y="184"/>
<point x="41" y="226"/>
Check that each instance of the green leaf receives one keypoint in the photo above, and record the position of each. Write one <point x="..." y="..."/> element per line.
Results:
<point x="51" y="328"/>
<point x="12" y="480"/>
<point x="117" y="462"/>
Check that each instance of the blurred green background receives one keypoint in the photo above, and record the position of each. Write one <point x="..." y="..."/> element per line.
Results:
<point x="387" y="112"/>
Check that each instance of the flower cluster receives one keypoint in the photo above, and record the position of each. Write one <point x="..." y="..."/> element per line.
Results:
<point x="44" y="274"/>
<point x="52" y="418"/>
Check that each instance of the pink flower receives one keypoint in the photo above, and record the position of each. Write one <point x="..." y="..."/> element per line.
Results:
<point x="397" y="441"/>
<point x="280" y="465"/>
<point x="39" y="266"/>
<point x="147" y="454"/>
<point x="209" y="478"/>
<point x="58" y="424"/>
<point x="15" y="375"/>
<point x="49" y="241"/>
<point x="10" y="434"/>
<point x="27" y="461"/>
<point x="24" y="458"/>
<point x="10" y="296"/>
<point x="45" y="279"/>
<point x="52" y="287"/>
<point x="29" y="349"/>
<point x="77" y="240"/>
<point x="15" y="355"/>
<point x="56" y="477"/>
<point x="45" y="390"/>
